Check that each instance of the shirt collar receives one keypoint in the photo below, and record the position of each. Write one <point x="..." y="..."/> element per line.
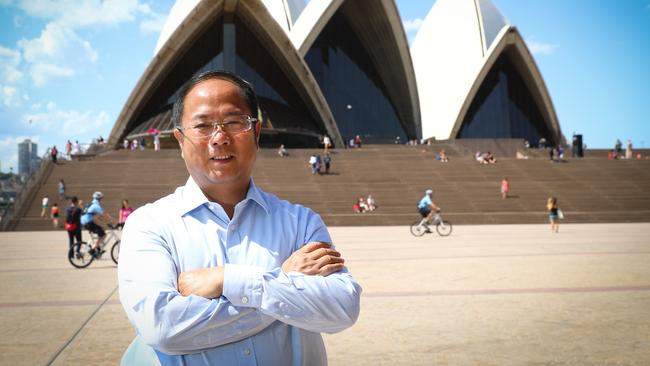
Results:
<point x="192" y="197"/>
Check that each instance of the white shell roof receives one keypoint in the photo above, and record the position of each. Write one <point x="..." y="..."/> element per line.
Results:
<point x="285" y="13"/>
<point x="179" y="12"/>
<point x="448" y="53"/>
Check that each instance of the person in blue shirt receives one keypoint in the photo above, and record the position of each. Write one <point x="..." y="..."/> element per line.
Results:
<point x="95" y="212"/>
<point x="220" y="272"/>
<point x="426" y="207"/>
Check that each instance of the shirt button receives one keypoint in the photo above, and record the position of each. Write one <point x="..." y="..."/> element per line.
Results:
<point x="233" y="226"/>
<point x="244" y="300"/>
<point x="247" y="351"/>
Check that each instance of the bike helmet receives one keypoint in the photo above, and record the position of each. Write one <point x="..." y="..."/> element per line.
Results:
<point x="98" y="195"/>
<point x="428" y="191"/>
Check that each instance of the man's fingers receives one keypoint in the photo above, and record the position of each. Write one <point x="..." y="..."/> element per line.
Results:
<point x="327" y="260"/>
<point x="331" y="268"/>
<point x="310" y="247"/>
<point x="323" y="252"/>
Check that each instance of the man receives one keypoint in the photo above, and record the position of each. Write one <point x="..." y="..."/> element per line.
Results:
<point x="73" y="221"/>
<point x="426" y="207"/>
<point x="95" y="212"/>
<point x="220" y="272"/>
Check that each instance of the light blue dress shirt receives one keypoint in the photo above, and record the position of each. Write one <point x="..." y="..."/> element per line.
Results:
<point x="264" y="316"/>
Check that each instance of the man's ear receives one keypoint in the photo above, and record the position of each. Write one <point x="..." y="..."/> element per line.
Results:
<point x="180" y="138"/>
<point x="258" y="133"/>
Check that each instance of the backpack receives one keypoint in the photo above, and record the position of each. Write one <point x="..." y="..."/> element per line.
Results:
<point x="84" y="208"/>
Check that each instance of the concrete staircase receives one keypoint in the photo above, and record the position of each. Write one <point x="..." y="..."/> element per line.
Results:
<point x="591" y="189"/>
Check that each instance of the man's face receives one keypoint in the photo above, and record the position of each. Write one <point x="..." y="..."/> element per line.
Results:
<point x="224" y="158"/>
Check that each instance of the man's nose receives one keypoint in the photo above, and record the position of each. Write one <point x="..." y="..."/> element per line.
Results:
<point x="219" y="136"/>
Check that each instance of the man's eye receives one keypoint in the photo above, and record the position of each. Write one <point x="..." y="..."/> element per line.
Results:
<point x="233" y="120"/>
<point x="203" y="127"/>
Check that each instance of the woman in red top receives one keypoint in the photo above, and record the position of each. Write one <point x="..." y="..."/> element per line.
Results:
<point x="54" y="214"/>
<point x="505" y="188"/>
<point x="125" y="211"/>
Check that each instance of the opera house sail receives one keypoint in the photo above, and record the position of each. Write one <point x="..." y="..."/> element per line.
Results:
<point x="476" y="77"/>
<point x="344" y="68"/>
<point x="324" y="85"/>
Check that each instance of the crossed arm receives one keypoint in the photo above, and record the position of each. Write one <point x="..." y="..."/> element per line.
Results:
<point x="208" y="307"/>
<point x="314" y="259"/>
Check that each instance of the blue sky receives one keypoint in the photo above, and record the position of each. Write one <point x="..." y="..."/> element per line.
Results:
<point x="66" y="70"/>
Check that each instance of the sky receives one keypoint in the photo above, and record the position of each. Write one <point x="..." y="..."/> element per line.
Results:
<point x="68" y="66"/>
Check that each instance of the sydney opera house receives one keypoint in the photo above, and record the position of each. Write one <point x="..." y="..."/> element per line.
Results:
<point x="345" y="68"/>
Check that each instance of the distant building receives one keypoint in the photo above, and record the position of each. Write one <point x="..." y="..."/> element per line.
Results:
<point x="28" y="158"/>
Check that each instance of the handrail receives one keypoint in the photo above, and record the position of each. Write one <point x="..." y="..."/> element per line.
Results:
<point x="25" y="193"/>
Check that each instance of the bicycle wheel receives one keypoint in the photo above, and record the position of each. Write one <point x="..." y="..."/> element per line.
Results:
<point x="79" y="255"/>
<point x="115" y="251"/>
<point x="443" y="228"/>
<point x="417" y="229"/>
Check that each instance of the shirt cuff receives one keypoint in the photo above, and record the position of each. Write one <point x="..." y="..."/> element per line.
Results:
<point x="242" y="285"/>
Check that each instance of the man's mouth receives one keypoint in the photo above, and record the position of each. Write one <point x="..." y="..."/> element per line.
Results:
<point x="224" y="157"/>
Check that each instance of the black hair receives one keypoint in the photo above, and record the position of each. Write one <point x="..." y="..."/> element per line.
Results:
<point x="246" y="88"/>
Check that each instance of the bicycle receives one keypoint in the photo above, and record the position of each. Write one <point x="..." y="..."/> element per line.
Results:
<point x="80" y="254"/>
<point x="443" y="228"/>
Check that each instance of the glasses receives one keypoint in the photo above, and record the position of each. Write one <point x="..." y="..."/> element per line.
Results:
<point x="231" y="125"/>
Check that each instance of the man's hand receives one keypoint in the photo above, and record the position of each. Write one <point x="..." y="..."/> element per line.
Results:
<point x="205" y="282"/>
<point x="314" y="259"/>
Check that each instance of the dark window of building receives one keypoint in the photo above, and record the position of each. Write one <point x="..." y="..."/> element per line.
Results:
<point x="282" y="107"/>
<point x="505" y="108"/>
<point x="351" y="84"/>
<point x="286" y="118"/>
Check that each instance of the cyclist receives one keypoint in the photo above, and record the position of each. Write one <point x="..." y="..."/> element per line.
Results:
<point x="426" y="207"/>
<point x="93" y="212"/>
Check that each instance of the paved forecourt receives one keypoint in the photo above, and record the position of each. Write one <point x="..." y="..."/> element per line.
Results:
<point x="489" y="295"/>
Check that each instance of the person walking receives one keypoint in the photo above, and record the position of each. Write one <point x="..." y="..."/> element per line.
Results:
<point x="61" y="188"/>
<point x="54" y="154"/>
<point x="124" y="213"/>
<point x="156" y="140"/>
<point x="45" y="206"/>
<point x="327" y="142"/>
<point x="72" y="222"/>
<point x="505" y="188"/>
<point x="54" y="215"/>
<point x="312" y="163"/>
<point x="628" y="150"/>
<point x="327" y="159"/>
<point x="553" y="213"/>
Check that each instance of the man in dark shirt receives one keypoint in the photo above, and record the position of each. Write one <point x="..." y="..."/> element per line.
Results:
<point x="73" y="221"/>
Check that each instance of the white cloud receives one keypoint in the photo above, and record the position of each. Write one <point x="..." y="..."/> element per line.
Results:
<point x="66" y="122"/>
<point x="9" y="62"/>
<point x="57" y="43"/>
<point x="413" y="25"/>
<point x="9" y="96"/>
<point x="153" y="25"/>
<point x="43" y="72"/>
<point x="74" y="13"/>
<point x="539" y="48"/>
<point x="57" y="53"/>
